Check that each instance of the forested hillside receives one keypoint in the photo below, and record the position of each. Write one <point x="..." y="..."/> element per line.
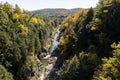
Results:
<point x="88" y="47"/>
<point x="58" y="14"/>
<point x="22" y="38"/>
<point x="89" y="43"/>
<point x="55" y="12"/>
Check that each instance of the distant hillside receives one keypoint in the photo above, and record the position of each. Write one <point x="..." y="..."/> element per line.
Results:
<point x="53" y="12"/>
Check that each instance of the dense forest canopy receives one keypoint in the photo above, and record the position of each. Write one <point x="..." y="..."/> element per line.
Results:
<point x="93" y="36"/>
<point x="89" y="40"/>
<point x="56" y="11"/>
<point x="22" y="38"/>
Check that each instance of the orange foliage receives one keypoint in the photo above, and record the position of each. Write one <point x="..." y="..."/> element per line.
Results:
<point x="72" y="19"/>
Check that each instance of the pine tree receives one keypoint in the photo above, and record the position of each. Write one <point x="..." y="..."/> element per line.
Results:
<point x="69" y="70"/>
<point x="4" y="74"/>
<point x="110" y="69"/>
<point x="17" y="9"/>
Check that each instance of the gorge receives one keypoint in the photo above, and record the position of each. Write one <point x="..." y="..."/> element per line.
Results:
<point x="48" y="71"/>
<point x="84" y="45"/>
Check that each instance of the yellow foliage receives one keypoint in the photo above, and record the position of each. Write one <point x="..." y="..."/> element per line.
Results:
<point x="72" y="19"/>
<point x="24" y="30"/>
<point x="107" y="66"/>
<point x="34" y="20"/>
<point x="76" y="16"/>
<point x="118" y="45"/>
<point x="102" y="78"/>
<point x="90" y="57"/>
<point x="115" y="46"/>
<point x="97" y="20"/>
<point x="16" y="16"/>
<point x="37" y="21"/>
<point x="32" y="62"/>
<point x="63" y="40"/>
<point x="41" y="22"/>
<point x="79" y="14"/>
<point x="25" y="16"/>
<point x="66" y="19"/>
<point x="66" y="24"/>
<point x="94" y="28"/>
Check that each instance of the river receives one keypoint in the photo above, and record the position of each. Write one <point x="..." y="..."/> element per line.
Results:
<point x="55" y="42"/>
<point x="48" y="71"/>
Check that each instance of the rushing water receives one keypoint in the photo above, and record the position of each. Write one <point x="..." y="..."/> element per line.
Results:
<point x="49" y="68"/>
<point x="55" y="41"/>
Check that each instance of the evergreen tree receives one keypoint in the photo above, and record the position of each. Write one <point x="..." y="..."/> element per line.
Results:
<point x="17" y="9"/>
<point x="4" y="74"/>
<point x="20" y="42"/>
<point x="69" y="69"/>
<point x="110" y="69"/>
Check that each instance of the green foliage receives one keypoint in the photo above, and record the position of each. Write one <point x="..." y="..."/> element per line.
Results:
<point x="17" y="9"/>
<point x="107" y="13"/>
<point x="88" y="61"/>
<point x="21" y="41"/>
<point x="84" y="19"/>
<point x="94" y="30"/>
<point x="66" y="45"/>
<point x="29" y="68"/>
<point x="23" y="36"/>
<point x="4" y="74"/>
<point x="110" y="69"/>
<point x="7" y="8"/>
<point x="56" y="12"/>
<point x="69" y="69"/>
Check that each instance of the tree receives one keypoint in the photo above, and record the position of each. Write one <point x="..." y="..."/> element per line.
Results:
<point x="69" y="70"/>
<point x="4" y="74"/>
<point x="20" y="42"/>
<point x="110" y="69"/>
<point x="8" y="9"/>
<point x="17" y="9"/>
<point x="88" y="62"/>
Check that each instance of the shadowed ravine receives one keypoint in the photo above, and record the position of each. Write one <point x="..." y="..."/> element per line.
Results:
<point x="48" y="70"/>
